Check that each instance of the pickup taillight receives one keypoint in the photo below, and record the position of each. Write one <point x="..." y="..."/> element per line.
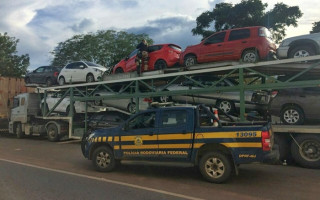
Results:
<point x="266" y="140"/>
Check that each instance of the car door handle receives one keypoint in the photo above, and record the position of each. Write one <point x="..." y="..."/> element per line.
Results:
<point x="244" y="42"/>
<point x="219" y="45"/>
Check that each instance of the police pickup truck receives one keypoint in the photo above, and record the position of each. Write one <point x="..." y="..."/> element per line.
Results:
<point x="181" y="134"/>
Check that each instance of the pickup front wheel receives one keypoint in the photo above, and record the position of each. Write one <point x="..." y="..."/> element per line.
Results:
<point x="215" y="167"/>
<point x="103" y="159"/>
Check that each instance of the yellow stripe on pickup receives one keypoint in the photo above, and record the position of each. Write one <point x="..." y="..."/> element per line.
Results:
<point x="148" y="146"/>
<point x="234" y="145"/>
<point x="234" y="134"/>
<point x="143" y="137"/>
<point x="174" y="146"/>
<point x="179" y="136"/>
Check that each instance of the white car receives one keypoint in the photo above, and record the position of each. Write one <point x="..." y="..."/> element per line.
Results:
<point x="64" y="105"/>
<point x="299" y="46"/>
<point x="81" y="71"/>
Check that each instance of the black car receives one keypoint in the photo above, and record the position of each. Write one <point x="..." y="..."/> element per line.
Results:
<point x="43" y="75"/>
<point x="106" y="119"/>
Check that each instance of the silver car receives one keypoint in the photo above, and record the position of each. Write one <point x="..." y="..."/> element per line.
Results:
<point x="128" y="105"/>
<point x="299" y="46"/>
<point x="229" y="102"/>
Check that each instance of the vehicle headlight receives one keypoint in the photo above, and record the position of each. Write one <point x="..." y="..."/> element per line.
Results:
<point x="284" y="43"/>
<point x="98" y="70"/>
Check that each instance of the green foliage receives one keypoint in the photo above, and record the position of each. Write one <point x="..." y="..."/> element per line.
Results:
<point x="103" y="47"/>
<point x="316" y="27"/>
<point x="248" y="13"/>
<point x="11" y="64"/>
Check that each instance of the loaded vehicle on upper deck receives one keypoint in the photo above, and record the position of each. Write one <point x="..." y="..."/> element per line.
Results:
<point x="250" y="44"/>
<point x="161" y="56"/>
<point x="43" y="75"/>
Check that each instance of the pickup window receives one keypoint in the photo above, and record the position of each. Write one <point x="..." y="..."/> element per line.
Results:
<point x="174" y="118"/>
<point x="144" y="120"/>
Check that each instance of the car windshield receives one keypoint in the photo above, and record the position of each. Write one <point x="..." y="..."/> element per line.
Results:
<point x="90" y="64"/>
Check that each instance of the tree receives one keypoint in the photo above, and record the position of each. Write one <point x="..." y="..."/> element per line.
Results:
<point x="104" y="47"/>
<point x="11" y="64"/>
<point x="247" y="13"/>
<point x="316" y="27"/>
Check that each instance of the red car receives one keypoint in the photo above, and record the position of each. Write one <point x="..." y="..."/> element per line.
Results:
<point x="249" y="44"/>
<point x="161" y="56"/>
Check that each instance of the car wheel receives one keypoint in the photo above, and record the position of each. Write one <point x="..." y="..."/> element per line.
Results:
<point x="226" y="106"/>
<point x="305" y="150"/>
<point x="52" y="132"/>
<point x="103" y="159"/>
<point x="27" y="80"/>
<point x="90" y="78"/>
<point x="62" y="81"/>
<point x="190" y="60"/>
<point x="48" y="82"/>
<point x="19" y="131"/>
<point x="160" y="64"/>
<point x="250" y="56"/>
<point x="215" y="167"/>
<point x="302" y="51"/>
<point x="98" y="102"/>
<point x="119" y="70"/>
<point x="292" y="115"/>
<point x="131" y="108"/>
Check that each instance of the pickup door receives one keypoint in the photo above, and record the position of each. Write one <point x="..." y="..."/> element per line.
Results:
<point x="164" y="135"/>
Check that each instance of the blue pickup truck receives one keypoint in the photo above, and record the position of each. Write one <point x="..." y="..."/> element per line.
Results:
<point x="181" y="134"/>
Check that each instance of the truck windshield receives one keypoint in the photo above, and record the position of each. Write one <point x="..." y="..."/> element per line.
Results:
<point x="15" y="102"/>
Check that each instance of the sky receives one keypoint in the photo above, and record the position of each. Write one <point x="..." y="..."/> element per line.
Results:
<point x="41" y="24"/>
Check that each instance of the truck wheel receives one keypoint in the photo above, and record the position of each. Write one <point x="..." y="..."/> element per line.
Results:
<point x="19" y="132"/>
<point x="52" y="132"/>
<point x="103" y="159"/>
<point x="215" y="167"/>
<point x="309" y="154"/>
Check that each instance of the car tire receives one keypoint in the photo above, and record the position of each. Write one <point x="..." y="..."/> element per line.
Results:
<point x="62" y="81"/>
<point x="215" y="167"/>
<point x="90" y="78"/>
<point x="292" y="115"/>
<point x="18" y="131"/>
<point x="250" y="56"/>
<point x="119" y="70"/>
<point x="103" y="159"/>
<point x="131" y="108"/>
<point x="226" y="106"/>
<point x="160" y="64"/>
<point x="49" y="82"/>
<point x="309" y="154"/>
<point x="301" y="51"/>
<point x="52" y="133"/>
<point x="189" y="61"/>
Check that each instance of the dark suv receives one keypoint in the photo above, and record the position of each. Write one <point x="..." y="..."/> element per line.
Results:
<point x="249" y="44"/>
<point x="43" y="75"/>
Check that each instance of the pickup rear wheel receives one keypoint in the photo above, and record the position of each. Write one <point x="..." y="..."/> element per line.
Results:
<point x="103" y="159"/>
<point x="307" y="153"/>
<point x="52" y="132"/>
<point x="215" y="167"/>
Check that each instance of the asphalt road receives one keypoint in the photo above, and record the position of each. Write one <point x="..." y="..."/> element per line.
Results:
<point x="34" y="168"/>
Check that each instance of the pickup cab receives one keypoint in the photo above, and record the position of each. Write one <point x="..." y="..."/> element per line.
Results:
<point x="181" y="135"/>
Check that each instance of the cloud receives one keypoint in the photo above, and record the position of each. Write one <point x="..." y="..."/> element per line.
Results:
<point x="84" y="25"/>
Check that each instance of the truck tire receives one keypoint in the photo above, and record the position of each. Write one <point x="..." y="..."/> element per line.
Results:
<point x="309" y="154"/>
<point x="18" y="131"/>
<point x="103" y="159"/>
<point x="52" y="133"/>
<point x="215" y="167"/>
